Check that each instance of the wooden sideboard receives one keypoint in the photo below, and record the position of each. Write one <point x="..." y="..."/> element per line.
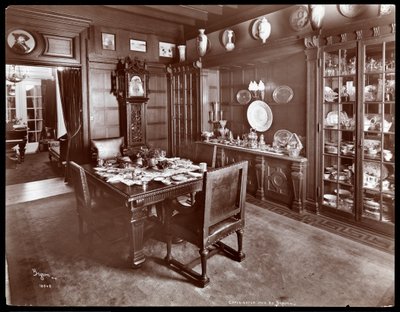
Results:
<point x="272" y="177"/>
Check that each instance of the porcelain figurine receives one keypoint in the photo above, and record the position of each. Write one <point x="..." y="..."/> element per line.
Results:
<point x="202" y="42"/>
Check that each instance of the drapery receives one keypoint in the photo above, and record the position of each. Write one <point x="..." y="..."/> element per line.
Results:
<point x="61" y="129"/>
<point x="70" y="87"/>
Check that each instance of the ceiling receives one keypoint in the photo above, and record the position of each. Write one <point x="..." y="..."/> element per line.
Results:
<point x="193" y="17"/>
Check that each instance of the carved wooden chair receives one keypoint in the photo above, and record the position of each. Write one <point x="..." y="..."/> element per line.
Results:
<point x="106" y="218"/>
<point x="217" y="212"/>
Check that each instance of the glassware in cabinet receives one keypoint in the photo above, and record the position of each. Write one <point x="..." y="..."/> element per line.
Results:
<point x="377" y="135"/>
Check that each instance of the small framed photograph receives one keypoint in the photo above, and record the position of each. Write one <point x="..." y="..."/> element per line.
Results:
<point x="21" y="41"/>
<point x="108" y="41"/>
<point x="167" y="49"/>
<point x="137" y="45"/>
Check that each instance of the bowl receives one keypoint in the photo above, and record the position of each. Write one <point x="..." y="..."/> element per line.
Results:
<point x="330" y="198"/>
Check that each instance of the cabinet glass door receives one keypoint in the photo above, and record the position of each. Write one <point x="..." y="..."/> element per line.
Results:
<point x="378" y="137"/>
<point x="339" y="130"/>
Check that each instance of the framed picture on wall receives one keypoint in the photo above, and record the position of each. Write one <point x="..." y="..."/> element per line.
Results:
<point x="137" y="45"/>
<point x="167" y="49"/>
<point x="20" y="41"/>
<point x="108" y="41"/>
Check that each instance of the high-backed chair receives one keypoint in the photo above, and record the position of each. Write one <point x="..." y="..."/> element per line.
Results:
<point x="99" y="216"/>
<point x="107" y="148"/>
<point x="218" y="212"/>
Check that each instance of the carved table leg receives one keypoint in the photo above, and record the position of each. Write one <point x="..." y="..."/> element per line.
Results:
<point x="298" y="178"/>
<point x="138" y="218"/>
<point x="260" y="173"/>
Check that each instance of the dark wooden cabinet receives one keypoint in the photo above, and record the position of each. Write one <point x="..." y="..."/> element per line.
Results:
<point x="184" y="81"/>
<point x="356" y="122"/>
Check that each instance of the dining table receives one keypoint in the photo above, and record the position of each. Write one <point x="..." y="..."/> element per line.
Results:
<point x="139" y="189"/>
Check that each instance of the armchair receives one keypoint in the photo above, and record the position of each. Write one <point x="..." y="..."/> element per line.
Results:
<point x="107" y="148"/>
<point x="217" y="212"/>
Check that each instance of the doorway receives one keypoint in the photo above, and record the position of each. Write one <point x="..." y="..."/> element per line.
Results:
<point x="31" y="102"/>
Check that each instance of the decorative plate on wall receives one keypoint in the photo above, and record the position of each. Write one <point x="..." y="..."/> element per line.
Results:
<point x="21" y="41"/>
<point x="259" y="115"/>
<point x="243" y="97"/>
<point x="351" y="10"/>
<point x="282" y="94"/>
<point x="299" y="18"/>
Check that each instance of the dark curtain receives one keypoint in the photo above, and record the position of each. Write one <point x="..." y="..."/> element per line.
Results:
<point x="49" y="103"/>
<point x="70" y="84"/>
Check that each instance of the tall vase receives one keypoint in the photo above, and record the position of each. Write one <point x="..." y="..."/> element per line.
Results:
<point x="229" y="45"/>
<point x="264" y="29"/>
<point x="202" y="42"/>
<point x="317" y="13"/>
<point x="182" y="50"/>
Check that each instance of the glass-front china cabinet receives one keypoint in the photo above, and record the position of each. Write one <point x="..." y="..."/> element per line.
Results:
<point x="358" y="88"/>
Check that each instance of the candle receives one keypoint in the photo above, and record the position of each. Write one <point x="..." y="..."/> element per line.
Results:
<point x="211" y="115"/>
<point x="222" y="115"/>
<point x="216" y="110"/>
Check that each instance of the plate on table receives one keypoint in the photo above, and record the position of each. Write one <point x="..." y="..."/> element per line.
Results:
<point x="179" y="177"/>
<point x="259" y="115"/>
<point x="243" y="97"/>
<point x="282" y="137"/>
<point x="282" y="94"/>
<point x="195" y="174"/>
<point x="159" y="179"/>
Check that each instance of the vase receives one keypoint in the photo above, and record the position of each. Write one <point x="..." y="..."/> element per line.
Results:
<point x="182" y="50"/>
<point x="229" y="45"/>
<point x="264" y="29"/>
<point x="202" y="42"/>
<point x="317" y="13"/>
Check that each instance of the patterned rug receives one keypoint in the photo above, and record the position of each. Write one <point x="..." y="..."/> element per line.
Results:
<point x="288" y="263"/>
<point x="36" y="166"/>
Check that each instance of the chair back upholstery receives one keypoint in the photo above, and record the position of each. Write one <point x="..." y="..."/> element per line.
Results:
<point x="205" y="153"/>
<point x="225" y="194"/>
<point x="82" y="193"/>
<point x="108" y="148"/>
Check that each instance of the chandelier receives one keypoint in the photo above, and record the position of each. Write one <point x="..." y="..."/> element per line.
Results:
<point x="15" y="73"/>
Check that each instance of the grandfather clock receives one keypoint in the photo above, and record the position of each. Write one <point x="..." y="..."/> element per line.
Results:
<point x="130" y="86"/>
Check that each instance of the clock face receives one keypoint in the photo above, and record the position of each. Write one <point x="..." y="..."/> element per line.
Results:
<point x="299" y="18"/>
<point x="351" y="10"/>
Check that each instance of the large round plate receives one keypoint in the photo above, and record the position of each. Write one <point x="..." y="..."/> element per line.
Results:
<point x="243" y="97"/>
<point x="259" y="115"/>
<point x="351" y="10"/>
<point x="299" y="18"/>
<point x="282" y="137"/>
<point x="282" y="94"/>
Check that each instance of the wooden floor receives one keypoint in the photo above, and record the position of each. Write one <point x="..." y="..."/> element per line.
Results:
<point x="24" y="192"/>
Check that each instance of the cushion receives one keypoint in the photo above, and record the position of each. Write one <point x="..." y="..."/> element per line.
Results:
<point x="108" y="148"/>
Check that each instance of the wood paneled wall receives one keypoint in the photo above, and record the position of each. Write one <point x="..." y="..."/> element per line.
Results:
<point x="103" y="105"/>
<point x="291" y="116"/>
